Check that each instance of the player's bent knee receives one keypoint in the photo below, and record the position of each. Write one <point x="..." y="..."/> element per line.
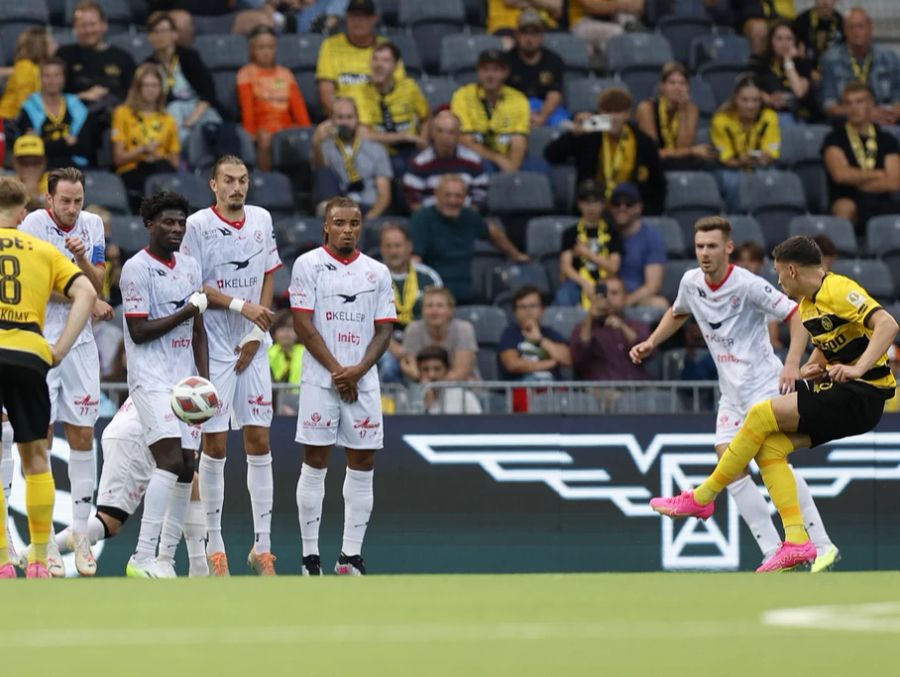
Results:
<point x="113" y="518"/>
<point x="214" y="444"/>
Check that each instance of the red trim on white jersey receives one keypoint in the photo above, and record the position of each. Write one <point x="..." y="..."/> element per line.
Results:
<point x="167" y="264"/>
<point x="58" y="224"/>
<point x="790" y="314"/>
<point x="345" y="262"/>
<point x="280" y="265"/>
<point x="716" y="287"/>
<point x="137" y="314"/>
<point x="302" y="310"/>
<point x="386" y="319"/>
<point x="237" y="225"/>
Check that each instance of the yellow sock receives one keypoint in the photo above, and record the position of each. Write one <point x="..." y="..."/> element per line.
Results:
<point x="40" y="491"/>
<point x="779" y="480"/>
<point x="759" y="424"/>
<point x="4" y="552"/>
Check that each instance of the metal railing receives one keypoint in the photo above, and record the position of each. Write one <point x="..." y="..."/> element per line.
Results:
<point x="532" y="397"/>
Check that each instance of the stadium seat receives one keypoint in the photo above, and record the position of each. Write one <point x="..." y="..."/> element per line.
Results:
<point x="299" y="52"/>
<point x="485" y="258"/>
<point x="517" y="196"/>
<point x="564" y="319"/>
<point x="306" y="81"/>
<point x="680" y="31"/>
<point x="438" y="91"/>
<point x="129" y="232"/>
<point x="815" y="185"/>
<point x="508" y="277"/>
<point x="486" y="359"/>
<point x="193" y="186"/>
<point x="409" y="50"/>
<point x="429" y="22"/>
<point x="745" y="228"/>
<point x="883" y="234"/>
<point x="201" y="156"/>
<point x="459" y="53"/>
<point x="873" y="274"/>
<point x="571" y="49"/>
<point x="489" y="322"/>
<point x="135" y="44"/>
<point x="672" y="233"/>
<point x="802" y="143"/>
<point x="714" y="48"/>
<point x="106" y="189"/>
<point x="272" y="191"/>
<point x="675" y="269"/>
<point x="581" y="94"/>
<point x="538" y="139"/>
<point x="643" y="83"/>
<point x="292" y="150"/>
<point x="637" y="50"/>
<point x="118" y="13"/>
<point x="294" y="233"/>
<point x="839" y="230"/>
<point x="774" y="198"/>
<point x="691" y="196"/>
<point x="389" y="11"/>
<point x="33" y="11"/>
<point x="222" y="52"/>
<point x="543" y="235"/>
<point x="562" y="180"/>
<point x="721" y="77"/>
<point x="703" y="95"/>
<point x="218" y="24"/>
<point x="414" y="11"/>
<point x="225" y="83"/>
<point x="475" y="13"/>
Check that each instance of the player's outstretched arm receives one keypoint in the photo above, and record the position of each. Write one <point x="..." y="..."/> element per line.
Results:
<point x="884" y="330"/>
<point x="200" y="347"/>
<point x="82" y="294"/>
<point x="799" y="340"/>
<point x="143" y="330"/>
<point x="668" y="325"/>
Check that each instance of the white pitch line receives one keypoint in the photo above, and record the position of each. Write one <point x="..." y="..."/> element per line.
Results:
<point x="877" y="617"/>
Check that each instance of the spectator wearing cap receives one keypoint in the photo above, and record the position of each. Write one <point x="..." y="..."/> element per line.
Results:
<point x="393" y="112"/>
<point x="503" y="16"/>
<point x="537" y="72"/>
<point x="528" y="350"/>
<point x="445" y="155"/>
<point x="444" y="237"/>
<point x="591" y="249"/>
<point x="597" y="21"/>
<point x="346" y="163"/>
<point x="859" y="59"/>
<point x="495" y="117"/>
<point x="98" y="73"/>
<point x="643" y="249"/>
<point x="30" y="166"/>
<point x="59" y="119"/>
<point x="345" y="59"/>
<point x="269" y="96"/>
<point x="190" y="92"/>
<point x="621" y="153"/>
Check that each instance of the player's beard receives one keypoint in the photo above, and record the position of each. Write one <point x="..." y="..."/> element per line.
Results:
<point x="345" y="250"/>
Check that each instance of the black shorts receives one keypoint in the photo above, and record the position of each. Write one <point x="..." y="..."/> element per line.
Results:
<point x="24" y="393"/>
<point x="831" y="411"/>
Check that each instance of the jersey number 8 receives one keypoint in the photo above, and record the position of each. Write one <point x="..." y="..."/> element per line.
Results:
<point x="10" y="287"/>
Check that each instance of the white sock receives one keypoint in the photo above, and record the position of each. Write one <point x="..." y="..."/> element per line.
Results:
<point x="811" y="518"/>
<point x="83" y="482"/>
<point x="753" y="508"/>
<point x="212" y="493"/>
<point x="310" y="494"/>
<point x="358" y="501"/>
<point x="262" y="492"/>
<point x="195" y="539"/>
<point x="171" y="530"/>
<point x="96" y="531"/>
<point x="156" y="502"/>
<point x="7" y="463"/>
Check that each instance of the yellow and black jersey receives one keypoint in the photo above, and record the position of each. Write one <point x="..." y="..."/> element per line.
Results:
<point x="30" y="269"/>
<point x="836" y="319"/>
<point x="403" y="109"/>
<point x="347" y="65"/>
<point x="732" y="140"/>
<point x="492" y="127"/>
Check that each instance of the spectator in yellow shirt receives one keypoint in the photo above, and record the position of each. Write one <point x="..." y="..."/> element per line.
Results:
<point x="746" y="136"/>
<point x="144" y="135"/>
<point x="34" y="45"/>
<point x="503" y="16"/>
<point x="495" y="118"/>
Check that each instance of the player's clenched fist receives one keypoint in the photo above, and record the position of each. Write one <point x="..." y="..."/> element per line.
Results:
<point x="259" y="315"/>
<point x="76" y="246"/>
<point x="640" y="351"/>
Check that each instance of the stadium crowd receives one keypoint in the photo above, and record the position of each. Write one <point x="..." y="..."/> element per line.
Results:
<point x="529" y="170"/>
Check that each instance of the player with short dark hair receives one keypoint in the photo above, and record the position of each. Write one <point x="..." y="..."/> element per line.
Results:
<point x="165" y="342"/>
<point x="846" y="382"/>
<point x="343" y="307"/>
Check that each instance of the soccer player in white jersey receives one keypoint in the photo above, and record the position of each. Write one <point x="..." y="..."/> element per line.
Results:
<point x="75" y="384"/>
<point x="165" y="342"/>
<point x="235" y="246"/>
<point x="343" y="307"/>
<point x="731" y="306"/>
<point x="128" y="467"/>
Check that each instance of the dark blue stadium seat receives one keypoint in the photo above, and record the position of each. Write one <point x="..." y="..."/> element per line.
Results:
<point x="873" y="274"/>
<point x="774" y="198"/>
<point x="272" y="191"/>
<point x="745" y="228"/>
<point x="222" y="52"/>
<point x="106" y="189"/>
<point x="437" y="90"/>
<point x="135" y="44"/>
<point x="839" y="231"/>
<point x="675" y="270"/>
<point x="717" y="48"/>
<point x="34" y="12"/>
<point x="129" y="232"/>
<point x="543" y="235"/>
<point x="193" y="186"/>
<point x="581" y="94"/>
<point x="299" y="52"/>
<point x="672" y="233"/>
<point x="691" y="196"/>
<point x="637" y="50"/>
<point x="721" y="78"/>
<point x="489" y="322"/>
<point x="571" y="49"/>
<point x="459" y="53"/>
<point x="883" y="234"/>
<point x="681" y="30"/>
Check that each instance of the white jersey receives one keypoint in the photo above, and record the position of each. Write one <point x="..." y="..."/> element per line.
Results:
<point x="153" y="288"/>
<point x="347" y="298"/>
<point x="733" y="319"/>
<point x="125" y="425"/>
<point x="89" y="229"/>
<point x="234" y="258"/>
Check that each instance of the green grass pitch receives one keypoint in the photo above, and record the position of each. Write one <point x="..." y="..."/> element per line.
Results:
<point x="551" y="625"/>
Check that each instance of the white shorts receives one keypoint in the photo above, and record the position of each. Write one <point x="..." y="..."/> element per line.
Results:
<point x="158" y="422"/>
<point x="325" y="420"/>
<point x="127" y="467"/>
<point x="730" y="417"/>
<point x="246" y="398"/>
<point x="75" y="387"/>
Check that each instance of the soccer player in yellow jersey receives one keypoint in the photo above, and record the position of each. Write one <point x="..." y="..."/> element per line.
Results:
<point x="846" y="382"/>
<point x="30" y="270"/>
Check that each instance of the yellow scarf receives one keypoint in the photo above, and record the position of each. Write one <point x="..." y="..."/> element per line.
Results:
<point x="822" y="38"/>
<point x="866" y="154"/>
<point x="668" y="128"/>
<point x="588" y="270"/>
<point x="861" y="72"/>
<point x="57" y="129"/>
<point x="748" y="139"/>
<point x="350" y="159"/>
<point x="617" y="165"/>
<point x="406" y="301"/>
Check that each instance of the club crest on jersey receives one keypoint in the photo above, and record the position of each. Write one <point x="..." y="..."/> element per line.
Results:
<point x="827" y="324"/>
<point x="371" y="277"/>
<point x="258" y="236"/>
<point x="735" y="301"/>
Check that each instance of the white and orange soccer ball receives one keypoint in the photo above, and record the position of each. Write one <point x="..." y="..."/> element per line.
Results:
<point x="194" y="400"/>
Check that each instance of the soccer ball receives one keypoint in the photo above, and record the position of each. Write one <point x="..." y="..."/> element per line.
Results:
<point x="194" y="400"/>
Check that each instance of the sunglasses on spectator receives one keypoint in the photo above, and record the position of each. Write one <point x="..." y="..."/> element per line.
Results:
<point x="622" y="203"/>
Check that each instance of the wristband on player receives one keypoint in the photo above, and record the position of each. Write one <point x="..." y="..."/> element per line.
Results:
<point x="236" y="305"/>
<point x="255" y="334"/>
<point x="198" y="299"/>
